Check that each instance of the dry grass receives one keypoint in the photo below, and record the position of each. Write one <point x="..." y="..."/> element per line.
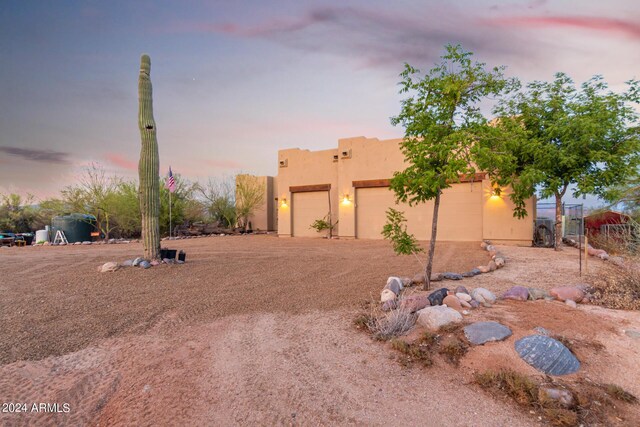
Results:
<point x="619" y="393"/>
<point x="618" y="286"/>
<point x="415" y="352"/>
<point x="385" y="325"/>
<point x="593" y="402"/>
<point x="453" y="350"/>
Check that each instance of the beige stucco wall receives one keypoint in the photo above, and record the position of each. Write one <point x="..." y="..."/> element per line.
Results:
<point x="304" y="167"/>
<point x="264" y="217"/>
<point x="361" y="159"/>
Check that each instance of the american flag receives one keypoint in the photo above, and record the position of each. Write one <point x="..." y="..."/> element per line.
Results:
<point x="171" y="182"/>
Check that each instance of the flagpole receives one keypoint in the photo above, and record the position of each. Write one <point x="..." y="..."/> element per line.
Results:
<point x="169" y="214"/>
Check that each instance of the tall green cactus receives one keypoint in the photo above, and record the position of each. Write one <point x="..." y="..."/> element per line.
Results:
<point x="149" y="165"/>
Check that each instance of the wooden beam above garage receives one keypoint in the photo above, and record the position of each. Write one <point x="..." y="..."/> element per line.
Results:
<point x="375" y="183"/>
<point x="309" y="188"/>
<point x="371" y="183"/>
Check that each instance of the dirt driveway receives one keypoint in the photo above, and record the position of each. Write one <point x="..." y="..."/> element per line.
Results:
<point x="252" y="331"/>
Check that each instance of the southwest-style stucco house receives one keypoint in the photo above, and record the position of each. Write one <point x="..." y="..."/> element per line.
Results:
<point x="351" y="185"/>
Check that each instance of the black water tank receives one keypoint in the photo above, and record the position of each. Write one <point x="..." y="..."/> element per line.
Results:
<point x="76" y="227"/>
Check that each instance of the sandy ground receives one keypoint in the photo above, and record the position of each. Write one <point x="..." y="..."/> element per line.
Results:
<point x="257" y="330"/>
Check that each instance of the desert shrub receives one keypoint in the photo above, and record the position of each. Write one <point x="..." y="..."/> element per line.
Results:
<point x="453" y="350"/>
<point x="619" y="393"/>
<point x="391" y="324"/>
<point x="416" y="352"/>
<point x="519" y="387"/>
<point x="618" y="286"/>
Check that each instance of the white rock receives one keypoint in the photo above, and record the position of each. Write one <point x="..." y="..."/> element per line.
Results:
<point x="109" y="267"/>
<point x="387" y="295"/>
<point x="571" y="303"/>
<point x="483" y="296"/>
<point x="463" y="297"/>
<point x="437" y="316"/>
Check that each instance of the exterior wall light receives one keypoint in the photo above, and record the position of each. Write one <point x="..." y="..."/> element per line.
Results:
<point x="283" y="203"/>
<point x="496" y="193"/>
<point x="346" y="200"/>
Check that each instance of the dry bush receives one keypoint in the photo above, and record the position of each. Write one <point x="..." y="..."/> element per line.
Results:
<point x="453" y="350"/>
<point x="622" y="240"/>
<point x="619" y="393"/>
<point x="416" y="352"/>
<point x="385" y="325"/>
<point x="593" y="402"/>
<point x="618" y="286"/>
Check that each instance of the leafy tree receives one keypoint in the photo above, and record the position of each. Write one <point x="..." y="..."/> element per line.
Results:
<point x="17" y="214"/>
<point x="126" y="209"/>
<point x="250" y="196"/>
<point x="219" y="200"/>
<point x="95" y="195"/>
<point x="396" y="230"/>
<point x="441" y="119"/>
<point x="554" y="135"/>
<point x="182" y="200"/>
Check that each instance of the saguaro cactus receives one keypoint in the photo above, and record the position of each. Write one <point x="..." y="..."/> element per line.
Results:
<point x="149" y="165"/>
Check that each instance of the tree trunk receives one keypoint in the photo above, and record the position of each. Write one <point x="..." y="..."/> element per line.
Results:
<point x="432" y="244"/>
<point x="558" y="229"/>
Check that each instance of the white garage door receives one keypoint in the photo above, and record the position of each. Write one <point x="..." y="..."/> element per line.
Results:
<point x="459" y="216"/>
<point x="308" y="207"/>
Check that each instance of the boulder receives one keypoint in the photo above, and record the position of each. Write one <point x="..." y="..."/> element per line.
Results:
<point x="155" y="262"/>
<point x="616" y="260"/>
<point x="434" y="318"/>
<point x="490" y="248"/>
<point x="414" y="303"/>
<point x="537" y="293"/>
<point x="604" y="256"/>
<point x="467" y="274"/>
<point x="436" y="297"/>
<point x="389" y="305"/>
<point x="461" y="290"/>
<point x="492" y="266"/>
<point x="571" y="303"/>
<point x="499" y="262"/>
<point x="464" y="304"/>
<point x="86" y="242"/>
<point x="481" y="332"/>
<point x="137" y="261"/>
<point x="394" y="284"/>
<point x="437" y="277"/>
<point x="406" y="282"/>
<point x="418" y="279"/>
<point x="547" y="355"/>
<point x="564" y="293"/>
<point x="482" y="269"/>
<point x="127" y="263"/>
<point x="561" y="396"/>
<point x="453" y="302"/>
<point x="109" y="267"/>
<point x="463" y="296"/>
<point x="484" y="245"/>
<point x="452" y="276"/>
<point x="144" y="264"/>
<point x="474" y="304"/>
<point x="387" y="295"/>
<point x="517" y="293"/>
<point x="483" y="296"/>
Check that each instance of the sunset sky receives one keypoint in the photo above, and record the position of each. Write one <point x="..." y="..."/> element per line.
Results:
<point x="236" y="81"/>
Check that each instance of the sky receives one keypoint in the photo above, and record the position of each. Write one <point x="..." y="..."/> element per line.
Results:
<point x="234" y="82"/>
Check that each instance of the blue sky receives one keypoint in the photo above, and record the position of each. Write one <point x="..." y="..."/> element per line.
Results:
<point x="236" y="81"/>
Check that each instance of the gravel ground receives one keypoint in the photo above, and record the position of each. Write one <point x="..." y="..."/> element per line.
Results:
<point x="257" y="331"/>
<point x="54" y="301"/>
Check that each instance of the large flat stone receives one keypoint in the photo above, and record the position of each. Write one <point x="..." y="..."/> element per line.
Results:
<point x="547" y="355"/>
<point x="481" y="332"/>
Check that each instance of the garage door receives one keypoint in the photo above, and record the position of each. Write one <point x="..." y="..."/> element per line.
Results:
<point x="307" y="207"/>
<point x="460" y="214"/>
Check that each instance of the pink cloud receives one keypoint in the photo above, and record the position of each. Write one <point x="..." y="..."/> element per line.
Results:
<point x="120" y="161"/>
<point x="630" y="29"/>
